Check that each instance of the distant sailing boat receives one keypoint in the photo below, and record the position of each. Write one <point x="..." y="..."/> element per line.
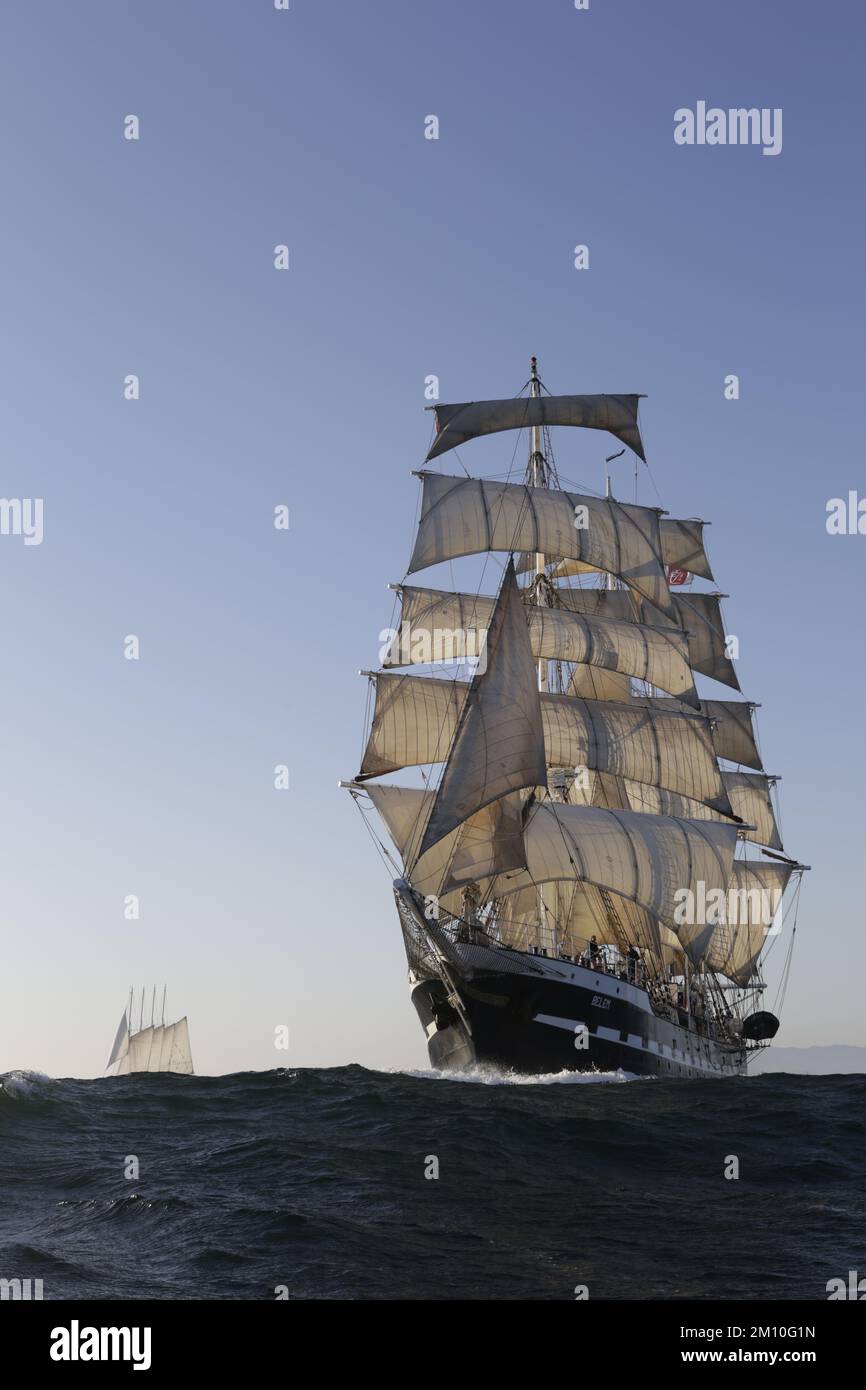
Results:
<point x="157" y="1047"/>
<point x="581" y="884"/>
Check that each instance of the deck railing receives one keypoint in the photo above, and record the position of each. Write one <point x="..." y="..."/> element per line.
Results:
<point x="666" y="994"/>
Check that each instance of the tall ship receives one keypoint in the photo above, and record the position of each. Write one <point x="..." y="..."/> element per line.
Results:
<point x="150" y="1047"/>
<point x="589" y="868"/>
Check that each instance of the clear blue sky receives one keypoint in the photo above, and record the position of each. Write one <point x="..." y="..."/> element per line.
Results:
<point x="408" y="257"/>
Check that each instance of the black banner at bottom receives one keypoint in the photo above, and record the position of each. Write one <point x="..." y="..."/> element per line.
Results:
<point x="153" y="1337"/>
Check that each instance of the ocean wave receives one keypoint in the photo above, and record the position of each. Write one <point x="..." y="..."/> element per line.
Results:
<point x="322" y="1180"/>
<point x="18" y="1084"/>
<point x="490" y="1076"/>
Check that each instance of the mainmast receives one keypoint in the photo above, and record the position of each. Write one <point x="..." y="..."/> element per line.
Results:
<point x="539" y="478"/>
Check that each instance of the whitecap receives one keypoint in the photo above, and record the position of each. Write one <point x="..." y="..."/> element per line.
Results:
<point x="22" y="1083"/>
<point x="490" y="1076"/>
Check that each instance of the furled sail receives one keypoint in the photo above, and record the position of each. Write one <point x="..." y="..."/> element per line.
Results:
<point x="415" y="718"/>
<point x="464" y="516"/>
<point x="437" y="626"/>
<point x="498" y="744"/>
<point x="456" y="424"/>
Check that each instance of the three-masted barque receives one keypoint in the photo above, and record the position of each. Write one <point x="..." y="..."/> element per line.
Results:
<point x="591" y="867"/>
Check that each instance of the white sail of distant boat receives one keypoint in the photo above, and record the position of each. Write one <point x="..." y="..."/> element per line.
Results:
<point x="154" y="1048"/>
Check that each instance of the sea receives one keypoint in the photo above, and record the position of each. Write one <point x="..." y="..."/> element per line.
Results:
<point x="345" y="1183"/>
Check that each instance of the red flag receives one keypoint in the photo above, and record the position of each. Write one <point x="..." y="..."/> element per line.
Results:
<point x="677" y="576"/>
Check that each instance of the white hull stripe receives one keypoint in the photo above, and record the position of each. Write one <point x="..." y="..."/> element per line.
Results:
<point x="569" y="1023"/>
<point x="612" y="1035"/>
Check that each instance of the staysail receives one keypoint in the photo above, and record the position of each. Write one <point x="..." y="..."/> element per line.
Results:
<point x="120" y="1041"/>
<point x="498" y="743"/>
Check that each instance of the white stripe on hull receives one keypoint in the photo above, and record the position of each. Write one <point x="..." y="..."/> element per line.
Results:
<point x="573" y="1025"/>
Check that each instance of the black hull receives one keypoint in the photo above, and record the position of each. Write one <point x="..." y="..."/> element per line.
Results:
<point x="537" y="1016"/>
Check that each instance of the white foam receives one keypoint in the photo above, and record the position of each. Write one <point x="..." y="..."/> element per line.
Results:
<point x="489" y="1076"/>
<point x="22" y="1083"/>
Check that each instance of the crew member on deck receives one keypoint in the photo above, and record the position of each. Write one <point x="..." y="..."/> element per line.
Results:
<point x="470" y="929"/>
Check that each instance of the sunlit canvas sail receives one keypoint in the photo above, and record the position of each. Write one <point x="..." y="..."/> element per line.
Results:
<point x="415" y="718"/>
<point x="498" y="744"/>
<point x="465" y="516"/>
<point x="435" y="626"/>
<point x="698" y="615"/>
